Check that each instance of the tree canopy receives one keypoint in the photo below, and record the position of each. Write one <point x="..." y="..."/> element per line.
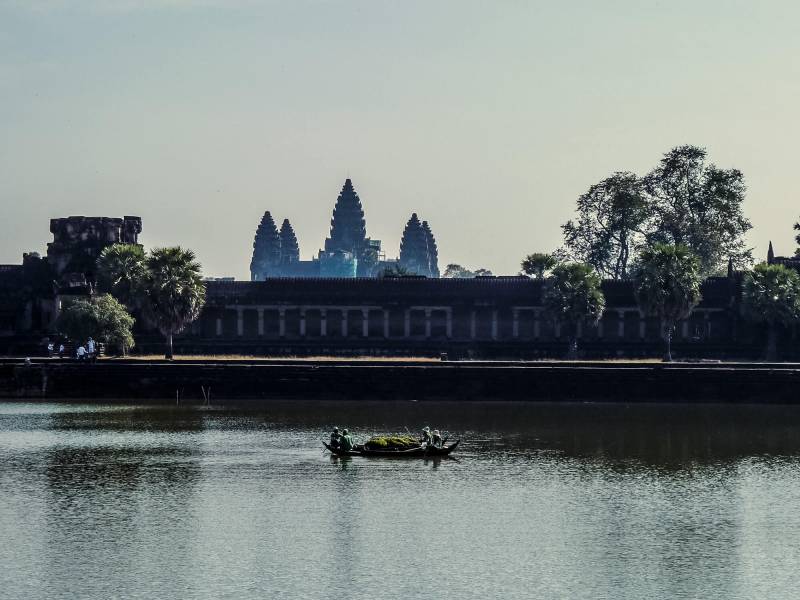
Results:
<point x="699" y="206"/>
<point x="538" y="264"/>
<point x="667" y="286"/>
<point x="683" y="201"/>
<point x="772" y="296"/>
<point x="174" y="290"/>
<point x="609" y="226"/>
<point x="102" y="318"/>
<point x="121" y="272"/>
<point x="455" y="271"/>
<point x="572" y="295"/>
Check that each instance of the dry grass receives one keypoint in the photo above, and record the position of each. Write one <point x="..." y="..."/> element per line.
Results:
<point x="235" y="357"/>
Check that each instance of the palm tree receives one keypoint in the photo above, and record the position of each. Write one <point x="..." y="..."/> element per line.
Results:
<point x="572" y="295"/>
<point x="174" y="290"/>
<point x="121" y="272"/>
<point x="772" y="296"/>
<point x="666" y="282"/>
<point x="537" y="265"/>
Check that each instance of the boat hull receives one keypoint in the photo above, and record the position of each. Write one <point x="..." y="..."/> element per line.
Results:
<point x="420" y="452"/>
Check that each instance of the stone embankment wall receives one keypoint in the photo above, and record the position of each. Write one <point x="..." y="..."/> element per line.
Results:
<point x="193" y="382"/>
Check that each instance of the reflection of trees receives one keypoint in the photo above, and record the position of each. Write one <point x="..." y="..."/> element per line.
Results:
<point x="114" y="497"/>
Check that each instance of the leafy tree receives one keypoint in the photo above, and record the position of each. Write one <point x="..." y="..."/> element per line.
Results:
<point x="699" y="206"/>
<point x="121" y="272"/>
<point x="395" y="270"/>
<point x="538" y="264"/>
<point x="78" y="321"/>
<point x="174" y="290"/>
<point x="102" y="318"/>
<point x="797" y="238"/>
<point x="455" y="271"/>
<point x="771" y="295"/>
<point x="572" y="295"/>
<point x="610" y="224"/>
<point x="667" y="286"/>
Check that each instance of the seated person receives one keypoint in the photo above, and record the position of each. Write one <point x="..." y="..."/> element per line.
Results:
<point x="426" y="435"/>
<point x="346" y="441"/>
<point x="336" y="438"/>
<point x="437" y="439"/>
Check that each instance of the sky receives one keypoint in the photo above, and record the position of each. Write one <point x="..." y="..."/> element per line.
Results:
<point x="488" y="119"/>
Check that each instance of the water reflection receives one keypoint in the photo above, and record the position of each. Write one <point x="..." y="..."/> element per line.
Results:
<point x="112" y="471"/>
<point x="577" y="500"/>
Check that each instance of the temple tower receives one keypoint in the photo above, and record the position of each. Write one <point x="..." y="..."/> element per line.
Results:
<point x="348" y="226"/>
<point x="348" y="251"/>
<point x="414" y="248"/>
<point x="433" y="250"/>
<point x="266" y="250"/>
<point x="290" y="250"/>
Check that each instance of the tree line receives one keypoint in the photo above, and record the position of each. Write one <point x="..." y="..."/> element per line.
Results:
<point x="665" y="232"/>
<point x="164" y="286"/>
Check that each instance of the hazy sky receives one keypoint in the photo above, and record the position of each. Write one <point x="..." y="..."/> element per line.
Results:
<point x="486" y="118"/>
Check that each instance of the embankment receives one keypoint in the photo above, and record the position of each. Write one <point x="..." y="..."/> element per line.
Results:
<point x="192" y="382"/>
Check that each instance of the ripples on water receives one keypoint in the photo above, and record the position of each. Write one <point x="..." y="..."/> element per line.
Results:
<point x="550" y="501"/>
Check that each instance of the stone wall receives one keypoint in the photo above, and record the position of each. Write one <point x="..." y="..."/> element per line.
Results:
<point x="192" y="382"/>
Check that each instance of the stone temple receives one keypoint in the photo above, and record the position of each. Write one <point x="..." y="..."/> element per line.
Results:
<point x="347" y="252"/>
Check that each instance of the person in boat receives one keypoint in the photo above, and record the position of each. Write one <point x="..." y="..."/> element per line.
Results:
<point x="346" y="441"/>
<point x="336" y="438"/>
<point x="426" y="435"/>
<point x="437" y="439"/>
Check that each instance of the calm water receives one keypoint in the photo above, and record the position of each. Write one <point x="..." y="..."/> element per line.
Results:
<point x="577" y="501"/>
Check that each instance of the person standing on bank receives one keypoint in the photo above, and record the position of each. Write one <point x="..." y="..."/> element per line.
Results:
<point x="61" y="350"/>
<point x="80" y="353"/>
<point x="91" y="349"/>
<point x="50" y="349"/>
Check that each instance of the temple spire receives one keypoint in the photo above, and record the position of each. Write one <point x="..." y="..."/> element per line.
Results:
<point x="414" y="248"/>
<point x="770" y="254"/>
<point x="290" y="250"/>
<point x="433" y="251"/>
<point x="348" y="226"/>
<point x="266" y="249"/>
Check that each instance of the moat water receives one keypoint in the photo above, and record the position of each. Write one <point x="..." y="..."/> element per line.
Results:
<point x="546" y="501"/>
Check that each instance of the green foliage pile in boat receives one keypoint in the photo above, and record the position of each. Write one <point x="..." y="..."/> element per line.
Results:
<point x="391" y="442"/>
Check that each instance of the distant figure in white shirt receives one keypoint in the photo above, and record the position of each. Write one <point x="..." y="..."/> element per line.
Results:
<point x="50" y="348"/>
<point x="81" y="353"/>
<point x="61" y="351"/>
<point x="90" y="348"/>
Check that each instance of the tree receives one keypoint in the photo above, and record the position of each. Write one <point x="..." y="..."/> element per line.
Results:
<point x="395" y="270"/>
<point x="797" y="238"/>
<point x="667" y="286"/>
<point x="572" y="296"/>
<point x="174" y="290"/>
<point x="609" y="226"/>
<point x="102" y="318"/>
<point x="771" y="295"/>
<point x="121" y="272"/>
<point x="454" y="271"/>
<point x="699" y="206"/>
<point x="538" y="264"/>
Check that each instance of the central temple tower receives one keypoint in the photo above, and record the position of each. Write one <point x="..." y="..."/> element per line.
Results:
<point x="348" y="251"/>
<point x="348" y="226"/>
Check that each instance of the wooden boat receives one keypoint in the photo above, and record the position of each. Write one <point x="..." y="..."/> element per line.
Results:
<point x="418" y="452"/>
